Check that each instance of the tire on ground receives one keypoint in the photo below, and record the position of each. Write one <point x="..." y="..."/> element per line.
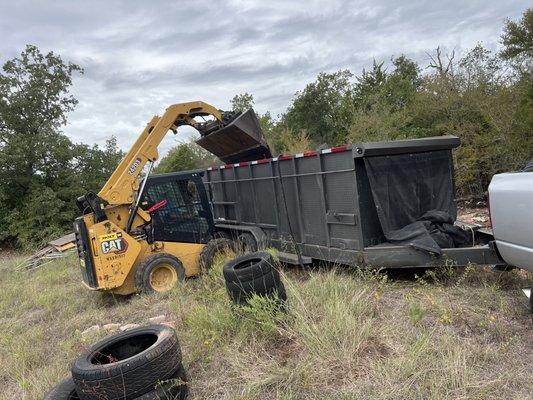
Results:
<point x="246" y="242"/>
<point x="253" y="274"/>
<point x="158" y="273"/>
<point x="249" y="267"/>
<point x="240" y="295"/>
<point x="64" y="390"/>
<point x="174" y="388"/>
<point x="262" y="285"/>
<point x="213" y="248"/>
<point x="127" y="365"/>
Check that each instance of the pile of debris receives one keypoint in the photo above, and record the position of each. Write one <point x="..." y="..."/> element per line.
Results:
<point x="477" y="215"/>
<point x="55" y="249"/>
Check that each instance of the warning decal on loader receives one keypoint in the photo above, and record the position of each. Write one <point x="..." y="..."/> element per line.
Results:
<point x="113" y="243"/>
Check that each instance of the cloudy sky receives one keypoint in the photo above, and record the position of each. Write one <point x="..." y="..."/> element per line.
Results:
<point x="141" y="56"/>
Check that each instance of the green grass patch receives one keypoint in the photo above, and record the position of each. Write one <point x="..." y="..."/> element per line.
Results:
<point x="344" y="333"/>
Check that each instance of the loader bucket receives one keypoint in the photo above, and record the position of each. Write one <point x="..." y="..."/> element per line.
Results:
<point x="240" y="140"/>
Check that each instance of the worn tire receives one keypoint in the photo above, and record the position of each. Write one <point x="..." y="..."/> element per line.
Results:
<point x="212" y="249"/>
<point x="170" y="389"/>
<point x="221" y="234"/>
<point x="127" y="365"/>
<point x="249" y="267"/>
<point x="64" y="390"/>
<point x="144" y="281"/>
<point x="241" y="293"/>
<point x="262" y="285"/>
<point x="246" y="242"/>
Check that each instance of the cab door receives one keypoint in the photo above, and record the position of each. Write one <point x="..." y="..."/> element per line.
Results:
<point x="185" y="216"/>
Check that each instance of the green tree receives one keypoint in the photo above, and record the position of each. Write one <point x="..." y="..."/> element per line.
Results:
<point x="41" y="170"/>
<point x="242" y="102"/>
<point x="517" y="37"/>
<point x="476" y="100"/>
<point x="382" y="102"/>
<point x="322" y="109"/>
<point x="34" y="101"/>
<point x="94" y="165"/>
<point x="184" y="157"/>
<point x="517" y="40"/>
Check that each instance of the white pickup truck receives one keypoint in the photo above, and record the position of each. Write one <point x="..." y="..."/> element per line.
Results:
<point x="511" y="211"/>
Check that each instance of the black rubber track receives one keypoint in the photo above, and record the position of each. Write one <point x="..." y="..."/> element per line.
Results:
<point x="142" y="274"/>
<point x="211" y="249"/>
<point x="64" y="390"/>
<point x="249" y="267"/>
<point x="173" y="389"/>
<point x="127" y="365"/>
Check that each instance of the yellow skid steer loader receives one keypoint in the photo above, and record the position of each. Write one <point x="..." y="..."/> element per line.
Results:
<point x="119" y="247"/>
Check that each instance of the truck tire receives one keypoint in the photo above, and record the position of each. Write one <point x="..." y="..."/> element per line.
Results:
<point x="170" y="389"/>
<point x="64" y="390"/>
<point x="213" y="248"/>
<point x="248" y="267"/>
<point x="158" y="273"/>
<point x="246" y="243"/>
<point x="127" y="365"/>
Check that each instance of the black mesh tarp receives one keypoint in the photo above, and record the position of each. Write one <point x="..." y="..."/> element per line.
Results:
<point x="407" y="186"/>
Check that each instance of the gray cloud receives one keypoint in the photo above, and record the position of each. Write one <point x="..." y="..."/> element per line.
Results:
<point x="139" y="57"/>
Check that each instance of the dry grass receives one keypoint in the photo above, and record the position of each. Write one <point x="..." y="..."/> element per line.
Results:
<point x="347" y="335"/>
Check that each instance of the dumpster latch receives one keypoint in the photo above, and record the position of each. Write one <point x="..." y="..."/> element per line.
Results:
<point x="334" y="217"/>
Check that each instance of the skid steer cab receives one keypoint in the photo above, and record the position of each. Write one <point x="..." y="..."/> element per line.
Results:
<point x="158" y="254"/>
<point x="146" y="233"/>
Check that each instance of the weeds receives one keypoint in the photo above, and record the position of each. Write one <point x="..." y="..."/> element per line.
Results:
<point x="345" y="334"/>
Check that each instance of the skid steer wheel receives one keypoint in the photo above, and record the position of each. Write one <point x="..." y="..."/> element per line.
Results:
<point x="65" y="390"/>
<point x="159" y="273"/>
<point x="214" y="248"/>
<point x="251" y="274"/>
<point x="128" y="365"/>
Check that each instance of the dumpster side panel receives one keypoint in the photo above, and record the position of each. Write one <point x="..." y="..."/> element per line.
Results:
<point x="342" y="211"/>
<point x="312" y="201"/>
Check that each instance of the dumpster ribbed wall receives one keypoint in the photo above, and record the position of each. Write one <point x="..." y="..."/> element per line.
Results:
<point x="314" y="198"/>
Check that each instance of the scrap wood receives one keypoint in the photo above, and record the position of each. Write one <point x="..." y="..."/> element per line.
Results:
<point x="56" y="248"/>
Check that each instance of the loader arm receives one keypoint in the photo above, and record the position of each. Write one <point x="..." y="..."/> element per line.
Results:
<point x="115" y="234"/>
<point x="123" y="183"/>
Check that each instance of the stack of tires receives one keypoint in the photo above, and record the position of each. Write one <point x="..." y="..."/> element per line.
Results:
<point x="143" y="363"/>
<point x="253" y="273"/>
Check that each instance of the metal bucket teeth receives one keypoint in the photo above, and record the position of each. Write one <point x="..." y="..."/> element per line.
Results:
<point x="240" y="140"/>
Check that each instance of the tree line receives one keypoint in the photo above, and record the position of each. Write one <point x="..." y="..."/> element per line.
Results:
<point x="484" y="97"/>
